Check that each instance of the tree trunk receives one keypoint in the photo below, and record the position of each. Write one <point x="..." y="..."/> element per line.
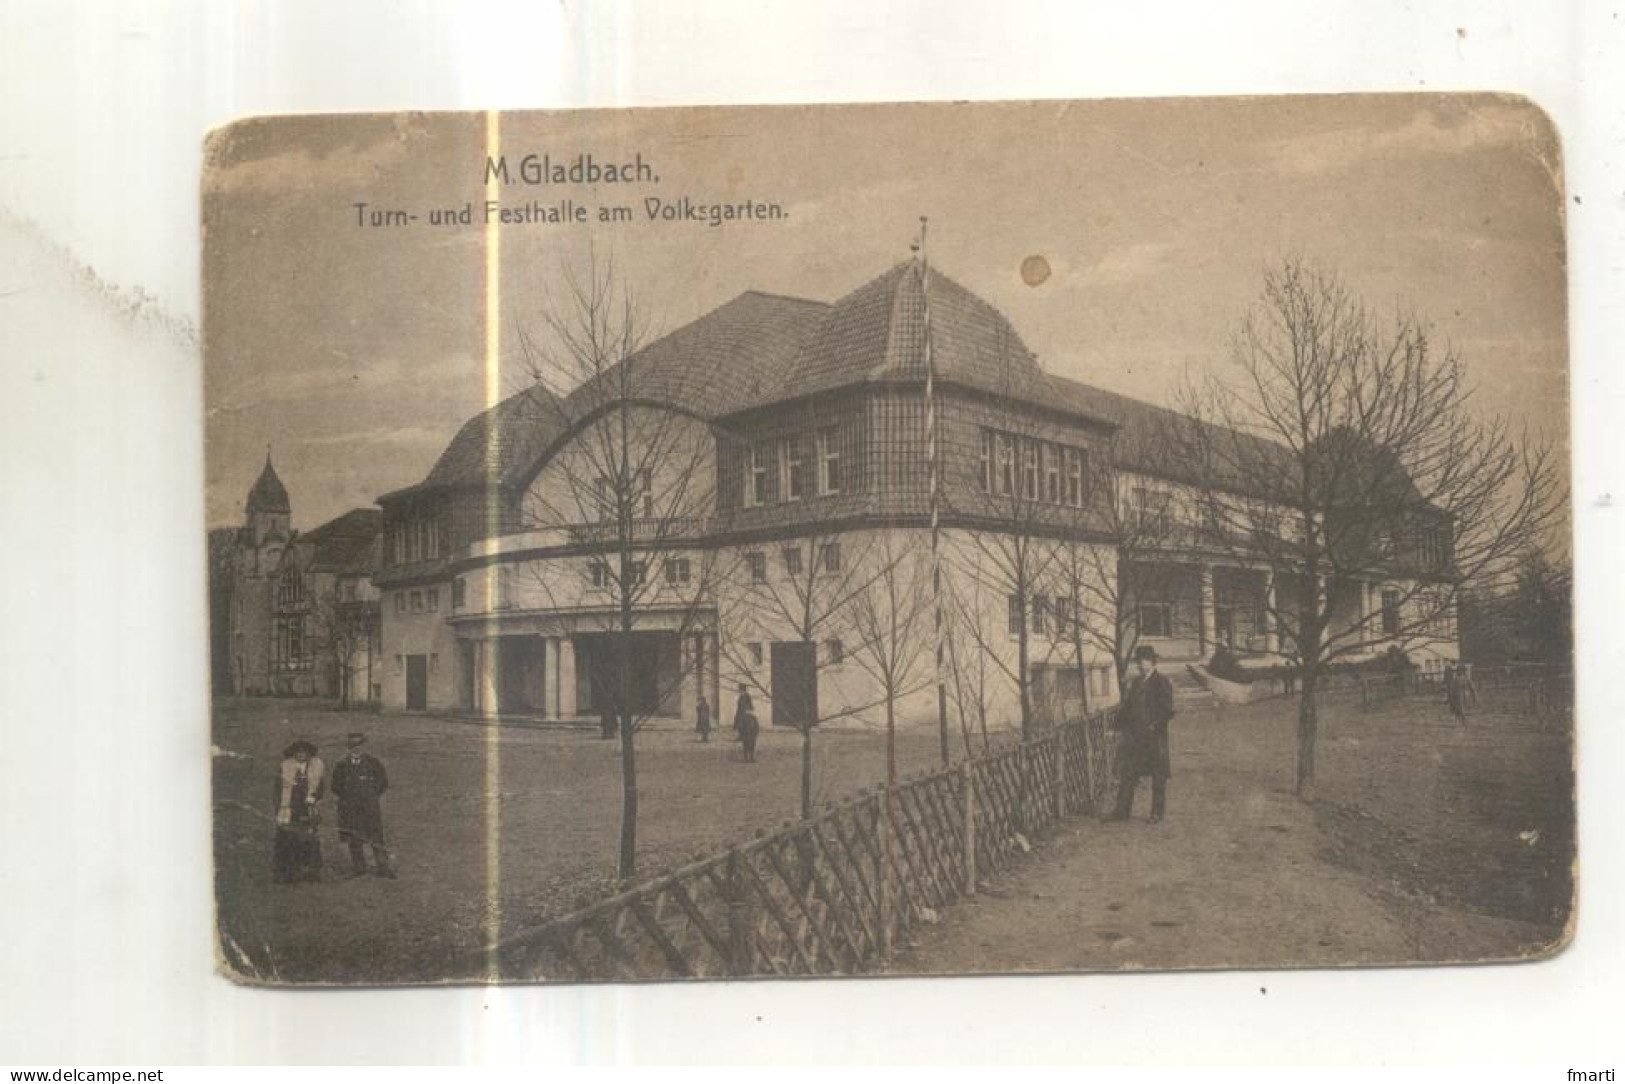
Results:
<point x="1308" y="730"/>
<point x="629" y="770"/>
<point x="1023" y="679"/>
<point x="806" y="771"/>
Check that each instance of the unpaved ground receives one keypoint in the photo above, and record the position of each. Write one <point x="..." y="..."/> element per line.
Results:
<point x="1426" y="842"/>
<point x="544" y="843"/>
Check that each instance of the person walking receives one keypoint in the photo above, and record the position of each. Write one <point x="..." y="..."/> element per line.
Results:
<point x="297" y="851"/>
<point x="703" y="711"/>
<point x="1142" y="737"/>
<point x="359" y="782"/>
<point x="746" y="726"/>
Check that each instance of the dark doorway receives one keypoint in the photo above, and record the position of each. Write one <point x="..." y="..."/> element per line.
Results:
<point x="519" y="675"/>
<point x="417" y="683"/>
<point x="795" y="683"/>
<point x="655" y="673"/>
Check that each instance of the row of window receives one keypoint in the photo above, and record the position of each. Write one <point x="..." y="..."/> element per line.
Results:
<point x="1034" y="470"/>
<point x="678" y="571"/>
<point x="1047" y="614"/>
<point x="416" y="539"/>
<point x="834" y="653"/>
<point x="801" y="469"/>
<point x="424" y="601"/>
<point x="641" y="496"/>
<point x="829" y="556"/>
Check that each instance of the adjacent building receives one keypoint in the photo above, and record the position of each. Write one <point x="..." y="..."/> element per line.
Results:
<point x="295" y="614"/>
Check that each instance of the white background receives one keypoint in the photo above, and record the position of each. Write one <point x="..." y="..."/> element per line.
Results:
<point x="104" y="807"/>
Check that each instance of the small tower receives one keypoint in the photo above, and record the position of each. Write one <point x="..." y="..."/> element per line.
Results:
<point x="268" y="509"/>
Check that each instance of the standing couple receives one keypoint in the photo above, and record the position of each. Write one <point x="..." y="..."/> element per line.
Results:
<point x="358" y="781"/>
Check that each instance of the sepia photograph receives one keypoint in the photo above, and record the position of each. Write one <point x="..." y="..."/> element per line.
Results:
<point x="900" y="539"/>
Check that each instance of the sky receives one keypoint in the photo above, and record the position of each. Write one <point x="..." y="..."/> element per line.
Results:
<point x="355" y="353"/>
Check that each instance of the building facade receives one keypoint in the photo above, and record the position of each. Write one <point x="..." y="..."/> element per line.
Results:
<point x="754" y="498"/>
<point x="295" y="614"/>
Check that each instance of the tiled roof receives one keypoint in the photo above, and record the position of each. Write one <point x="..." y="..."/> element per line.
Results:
<point x="268" y="494"/>
<point x="496" y="441"/>
<point x="728" y="359"/>
<point x="348" y="544"/>
<point x="1149" y="438"/>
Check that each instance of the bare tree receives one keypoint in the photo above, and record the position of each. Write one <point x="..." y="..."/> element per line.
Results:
<point x="891" y="624"/>
<point x="626" y="493"/>
<point x="1342" y="453"/>
<point x="813" y="589"/>
<point x="341" y="631"/>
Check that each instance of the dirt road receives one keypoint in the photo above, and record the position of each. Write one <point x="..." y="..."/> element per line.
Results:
<point x="1426" y="842"/>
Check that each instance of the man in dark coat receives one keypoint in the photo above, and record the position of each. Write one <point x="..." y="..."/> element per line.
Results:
<point x="359" y="781"/>
<point x="1142" y="736"/>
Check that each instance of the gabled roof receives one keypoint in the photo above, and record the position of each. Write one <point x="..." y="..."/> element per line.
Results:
<point x="346" y="545"/>
<point x="268" y="494"/>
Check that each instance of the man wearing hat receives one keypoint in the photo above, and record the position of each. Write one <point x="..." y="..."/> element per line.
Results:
<point x="1142" y="736"/>
<point x="359" y="781"/>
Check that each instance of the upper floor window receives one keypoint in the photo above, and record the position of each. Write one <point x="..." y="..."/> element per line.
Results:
<point x="1040" y="615"/>
<point x="987" y="461"/>
<point x="1150" y="510"/>
<point x="1029" y="470"/>
<point x="832" y="556"/>
<point x="598" y="573"/>
<point x="431" y="600"/>
<point x="757" y="563"/>
<point x="756" y="477"/>
<point x="1390" y="612"/>
<point x="678" y="571"/>
<point x="792" y="470"/>
<point x="291" y="588"/>
<point x="459" y="593"/>
<point x="829" y="462"/>
<point x="1074" y="477"/>
<point x="646" y="492"/>
<point x="1005" y="451"/>
<point x="834" y="652"/>
<point x="1017" y="618"/>
<point x="792" y="560"/>
<point x="1052" y="472"/>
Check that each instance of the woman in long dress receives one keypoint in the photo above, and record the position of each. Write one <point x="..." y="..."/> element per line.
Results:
<point x="301" y="783"/>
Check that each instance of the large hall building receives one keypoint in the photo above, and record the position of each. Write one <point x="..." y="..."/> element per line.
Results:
<point x="778" y="462"/>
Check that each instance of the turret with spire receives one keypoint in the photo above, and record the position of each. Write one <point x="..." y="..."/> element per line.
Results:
<point x="268" y="506"/>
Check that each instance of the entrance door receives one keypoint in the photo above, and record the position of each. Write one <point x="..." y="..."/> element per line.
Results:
<point x="417" y="683"/>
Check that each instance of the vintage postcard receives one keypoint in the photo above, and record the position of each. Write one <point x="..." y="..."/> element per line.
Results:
<point x="888" y="539"/>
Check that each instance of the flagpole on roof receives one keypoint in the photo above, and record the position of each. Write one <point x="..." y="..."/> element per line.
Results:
<point x="934" y="490"/>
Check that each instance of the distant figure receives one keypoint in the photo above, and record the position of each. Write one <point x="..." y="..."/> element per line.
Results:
<point x="703" y="711"/>
<point x="1455" y="691"/>
<point x="359" y="781"/>
<point x="1469" y="687"/>
<point x="750" y="728"/>
<point x="742" y="707"/>
<point x="746" y="725"/>
<point x="1142" y="733"/>
<point x="297" y="854"/>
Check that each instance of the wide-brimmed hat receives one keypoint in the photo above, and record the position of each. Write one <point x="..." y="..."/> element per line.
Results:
<point x="293" y="750"/>
<point x="356" y="738"/>
<point x="1146" y="652"/>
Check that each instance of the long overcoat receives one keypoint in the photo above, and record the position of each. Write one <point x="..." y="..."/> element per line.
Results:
<point x="1142" y="720"/>
<point x="359" y="782"/>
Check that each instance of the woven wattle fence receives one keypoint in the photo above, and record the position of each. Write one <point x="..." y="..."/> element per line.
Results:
<point x="833" y="894"/>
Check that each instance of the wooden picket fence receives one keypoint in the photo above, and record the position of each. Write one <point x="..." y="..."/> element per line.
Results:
<point x="835" y="894"/>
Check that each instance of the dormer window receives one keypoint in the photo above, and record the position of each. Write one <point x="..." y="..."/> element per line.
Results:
<point x="756" y="477"/>
<point x="792" y="470"/>
<point x="829" y="462"/>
